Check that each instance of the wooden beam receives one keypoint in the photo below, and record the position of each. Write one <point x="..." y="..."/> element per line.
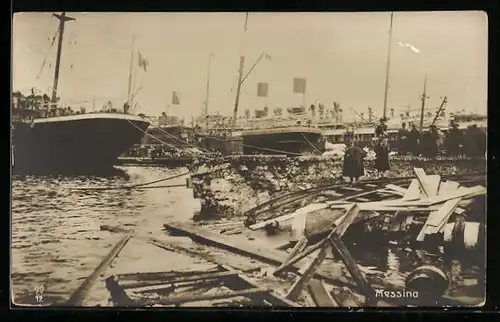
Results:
<point x="309" y="272"/>
<point x="413" y="192"/>
<point x="78" y="297"/>
<point x="319" y="294"/>
<point x="421" y="176"/>
<point x="432" y="225"/>
<point x="205" y="297"/>
<point x="353" y="268"/>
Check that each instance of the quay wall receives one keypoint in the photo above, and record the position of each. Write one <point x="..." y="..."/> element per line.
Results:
<point x="228" y="187"/>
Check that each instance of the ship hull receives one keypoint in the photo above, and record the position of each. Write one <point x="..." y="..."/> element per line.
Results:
<point x="74" y="143"/>
<point x="290" y="141"/>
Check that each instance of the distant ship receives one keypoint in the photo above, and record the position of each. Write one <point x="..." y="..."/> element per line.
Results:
<point x="48" y="137"/>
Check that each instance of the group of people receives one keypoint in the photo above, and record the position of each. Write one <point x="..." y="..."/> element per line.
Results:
<point x="471" y="143"/>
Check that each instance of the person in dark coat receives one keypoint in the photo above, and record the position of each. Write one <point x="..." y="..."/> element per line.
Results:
<point x="413" y="140"/>
<point x="430" y="148"/>
<point x="382" y="163"/>
<point x="381" y="129"/>
<point x="454" y="140"/>
<point x="403" y="134"/>
<point x="353" y="162"/>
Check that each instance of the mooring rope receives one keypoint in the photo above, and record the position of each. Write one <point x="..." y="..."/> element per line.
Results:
<point x="139" y="185"/>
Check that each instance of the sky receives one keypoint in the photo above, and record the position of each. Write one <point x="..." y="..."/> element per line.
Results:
<point x="341" y="55"/>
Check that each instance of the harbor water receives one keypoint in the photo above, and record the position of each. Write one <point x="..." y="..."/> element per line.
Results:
<point x="56" y="236"/>
<point x="57" y="241"/>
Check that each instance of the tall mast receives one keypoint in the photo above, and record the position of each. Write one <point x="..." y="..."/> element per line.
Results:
<point x="388" y="67"/>
<point x="424" y="97"/>
<point x="62" y="20"/>
<point x="129" y="94"/>
<point x="240" y="77"/>
<point x="208" y="86"/>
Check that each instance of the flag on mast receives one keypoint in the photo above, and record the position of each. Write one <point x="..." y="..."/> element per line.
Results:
<point x="175" y="98"/>
<point x="262" y="89"/>
<point x="299" y="85"/>
<point x="143" y="62"/>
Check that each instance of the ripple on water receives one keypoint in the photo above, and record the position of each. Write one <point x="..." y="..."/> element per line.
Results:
<point x="56" y="236"/>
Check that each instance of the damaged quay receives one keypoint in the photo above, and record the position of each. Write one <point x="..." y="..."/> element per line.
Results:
<point x="293" y="204"/>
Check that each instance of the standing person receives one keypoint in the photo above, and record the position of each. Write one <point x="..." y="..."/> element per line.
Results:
<point x="413" y="140"/>
<point x="381" y="129"/>
<point x="454" y="140"/>
<point x="382" y="163"/>
<point x="432" y="144"/>
<point x="353" y="162"/>
<point x="403" y="139"/>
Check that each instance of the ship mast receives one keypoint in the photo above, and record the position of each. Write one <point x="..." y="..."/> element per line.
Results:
<point x="424" y="97"/>
<point x="240" y="79"/>
<point x="388" y="67"/>
<point x="208" y="87"/>
<point x="129" y="95"/>
<point x="62" y="20"/>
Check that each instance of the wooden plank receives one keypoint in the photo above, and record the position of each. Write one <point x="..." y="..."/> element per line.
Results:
<point x="306" y="209"/>
<point x="299" y="247"/>
<point x="351" y="188"/>
<point x="310" y="270"/>
<point x="413" y="192"/>
<point x="247" y="249"/>
<point x="205" y="297"/>
<point x="432" y="183"/>
<point x="461" y="193"/>
<point x="447" y="187"/>
<point x="396" y="188"/>
<point x="274" y="298"/>
<point x="421" y="177"/>
<point x="353" y="268"/>
<point x="348" y="219"/>
<point x="432" y="225"/>
<point x="319" y="294"/>
<point x="297" y="258"/>
<point x="79" y="295"/>
<point x="164" y="284"/>
<point x="298" y="226"/>
<point x="435" y="218"/>
<point x="308" y="274"/>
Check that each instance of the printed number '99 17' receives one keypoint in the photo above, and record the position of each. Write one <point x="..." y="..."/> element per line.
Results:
<point x="39" y="289"/>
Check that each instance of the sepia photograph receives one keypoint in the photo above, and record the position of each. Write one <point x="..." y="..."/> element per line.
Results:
<point x="249" y="159"/>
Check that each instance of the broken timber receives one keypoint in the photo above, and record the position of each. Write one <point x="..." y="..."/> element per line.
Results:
<point x="79" y="295"/>
<point x="334" y="242"/>
<point x="229" y="275"/>
<point x="262" y="254"/>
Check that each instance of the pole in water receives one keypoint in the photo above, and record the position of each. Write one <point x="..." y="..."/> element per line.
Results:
<point x="62" y="20"/>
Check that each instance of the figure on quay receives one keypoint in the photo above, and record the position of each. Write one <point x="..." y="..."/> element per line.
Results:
<point x="353" y="162"/>
<point x="382" y="162"/>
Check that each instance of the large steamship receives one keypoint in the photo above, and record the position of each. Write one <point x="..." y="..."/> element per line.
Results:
<point x="49" y="137"/>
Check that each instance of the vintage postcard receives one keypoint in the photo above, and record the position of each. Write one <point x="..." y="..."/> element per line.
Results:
<point x="249" y="159"/>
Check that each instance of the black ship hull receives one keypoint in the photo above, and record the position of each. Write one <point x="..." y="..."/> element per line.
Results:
<point x="76" y="143"/>
<point x="292" y="141"/>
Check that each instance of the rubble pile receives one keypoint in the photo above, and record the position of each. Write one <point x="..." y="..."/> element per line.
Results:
<point x="230" y="186"/>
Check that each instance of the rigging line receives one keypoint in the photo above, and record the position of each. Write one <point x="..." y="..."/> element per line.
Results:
<point x="176" y="138"/>
<point x="312" y="145"/>
<point x="163" y="142"/>
<point x="257" y="147"/>
<point x="48" y="52"/>
<point x="139" y="186"/>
